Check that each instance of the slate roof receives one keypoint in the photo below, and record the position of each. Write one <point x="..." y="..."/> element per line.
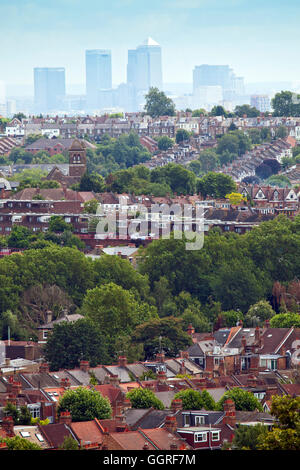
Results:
<point x="40" y="380"/>
<point x="55" y="434"/>
<point x="145" y="419"/>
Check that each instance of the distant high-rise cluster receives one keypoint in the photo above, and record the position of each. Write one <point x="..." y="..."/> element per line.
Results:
<point x="144" y="70"/>
<point x="213" y="84"/>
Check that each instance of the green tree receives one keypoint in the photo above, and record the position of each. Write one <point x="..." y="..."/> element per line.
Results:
<point x="84" y="404"/>
<point x="90" y="207"/>
<point x="199" y="112"/>
<point x="246" y="109"/>
<point x="71" y="342"/>
<point x="115" y="309"/>
<point x="238" y="285"/>
<point x="92" y="182"/>
<point x="120" y="271"/>
<point x="163" y="333"/>
<point x="248" y="437"/>
<point x="215" y="185"/>
<point x="158" y="104"/>
<point x="178" y="178"/>
<point x="285" y="434"/>
<point x="164" y="143"/>
<point x="209" y="160"/>
<point x="19" y="443"/>
<point x="285" y="320"/>
<point x="191" y="399"/>
<point x="21" y="415"/>
<point x="243" y="400"/>
<point x="218" y="111"/>
<point x="69" y="444"/>
<point x="285" y="104"/>
<point x="258" y="313"/>
<point x="144" y="398"/>
<point x="58" y="224"/>
<point x="182" y="135"/>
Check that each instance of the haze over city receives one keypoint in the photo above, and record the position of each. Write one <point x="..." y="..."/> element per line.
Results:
<point x="258" y="40"/>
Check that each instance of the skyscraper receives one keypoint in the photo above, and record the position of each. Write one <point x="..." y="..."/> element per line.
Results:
<point x="218" y="76"/>
<point x="98" y="75"/>
<point x="49" y="88"/>
<point x="212" y="75"/>
<point x="144" y="67"/>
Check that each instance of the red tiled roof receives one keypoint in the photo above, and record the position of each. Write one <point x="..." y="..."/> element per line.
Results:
<point x="87" y="431"/>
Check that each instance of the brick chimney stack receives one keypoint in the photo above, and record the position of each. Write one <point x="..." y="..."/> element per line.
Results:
<point x="8" y="425"/>
<point x="257" y="336"/>
<point x="161" y="376"/>
<point x="190" y="329"/>
<point x="122" y="361"/>
<point x="184" y="354"/>
<point x="243" y="344"/>
<point x="171" y="424"/>
<point x="65" y="382"/>
<point x="114" y="380"/>
<point x="176" y="405"/>
<point x="65" y="418"/>
<point x="229" y="410"/>
<point x="160" y="357"/>
<point x="84" y="366"/>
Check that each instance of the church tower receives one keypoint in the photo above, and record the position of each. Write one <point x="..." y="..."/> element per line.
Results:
<point x="77" y="159"/>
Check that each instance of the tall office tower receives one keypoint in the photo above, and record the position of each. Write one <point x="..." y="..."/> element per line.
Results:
<point x="98" y="75"/>
<point x="212" y="75"/>
<point x="218" y="75"/>
<point x="144" y="67"/>
<point x="49" y="89"/>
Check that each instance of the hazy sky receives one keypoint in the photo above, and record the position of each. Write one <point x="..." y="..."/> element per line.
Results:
<point x="258" y="38"/>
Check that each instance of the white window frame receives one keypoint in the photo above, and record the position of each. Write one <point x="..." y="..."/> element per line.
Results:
<point x="199" y="420"/>
<point x="215" y="435"/>
<point x="201" y="436"/>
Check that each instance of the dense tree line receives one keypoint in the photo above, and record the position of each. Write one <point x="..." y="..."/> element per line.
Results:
<point x="139" y="311"/>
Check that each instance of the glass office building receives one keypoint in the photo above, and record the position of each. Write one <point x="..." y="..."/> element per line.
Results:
<point x="98" y="75"/>
<point x="49" y="89"/>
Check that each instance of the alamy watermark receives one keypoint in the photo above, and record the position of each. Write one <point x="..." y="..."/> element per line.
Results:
<point x="125" y="222"/>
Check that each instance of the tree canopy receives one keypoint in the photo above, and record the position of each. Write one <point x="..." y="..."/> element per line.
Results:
<point x="158" y="104"/>
<point x="84" y="404"/>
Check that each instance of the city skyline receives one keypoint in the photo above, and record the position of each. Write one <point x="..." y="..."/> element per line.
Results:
<point x="250" y="38"/>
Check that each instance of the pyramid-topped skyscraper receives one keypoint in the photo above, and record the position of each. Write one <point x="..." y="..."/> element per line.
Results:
<point x="144" y="68"/>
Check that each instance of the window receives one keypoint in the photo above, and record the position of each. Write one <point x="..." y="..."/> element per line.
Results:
<point x="201" y="437"/>
<point x="35" y="411"/>
<point x="199" y="420"/>
<point x="215" y="435"/>
<point x="186" y="420"/>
